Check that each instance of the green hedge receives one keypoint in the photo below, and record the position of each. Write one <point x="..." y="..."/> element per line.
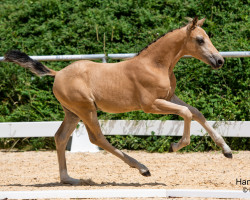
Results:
<point x="54" y="27"/>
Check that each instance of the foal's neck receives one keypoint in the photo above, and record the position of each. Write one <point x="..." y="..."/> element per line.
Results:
<point x="167" y="50"/>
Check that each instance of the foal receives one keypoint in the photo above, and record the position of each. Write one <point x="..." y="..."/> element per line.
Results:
<point x="145" y="82"/>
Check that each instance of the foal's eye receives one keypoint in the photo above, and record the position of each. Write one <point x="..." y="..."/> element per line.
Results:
<point x="200" y="40"/>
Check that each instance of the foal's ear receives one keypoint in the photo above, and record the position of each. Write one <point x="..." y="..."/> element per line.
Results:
<point x="200" y="22"/>
<point x="192" y="24"/>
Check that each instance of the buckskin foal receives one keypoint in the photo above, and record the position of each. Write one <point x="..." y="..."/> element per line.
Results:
<point x="145" y="82"/>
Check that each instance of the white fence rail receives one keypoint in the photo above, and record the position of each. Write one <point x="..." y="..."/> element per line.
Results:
<point x="81" y="143"/>
<point x="104" y="57"/>
<point x="127" y="127"/>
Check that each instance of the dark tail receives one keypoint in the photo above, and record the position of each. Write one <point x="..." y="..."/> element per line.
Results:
<point x="25" y="61"/>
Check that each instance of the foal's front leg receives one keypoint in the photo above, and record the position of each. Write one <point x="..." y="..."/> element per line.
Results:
<point x="198" y="116"/>
<point x="161" y="106"/>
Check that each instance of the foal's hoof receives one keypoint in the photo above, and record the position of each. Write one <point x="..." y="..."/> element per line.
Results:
<point x="71" y="181"/>
<point x="147" y="173"/>
<point x="228" y="155"/>
<point x="76" y="182"/>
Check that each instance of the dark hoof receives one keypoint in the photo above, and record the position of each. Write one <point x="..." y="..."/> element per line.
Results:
<point x="171" y="149"/>
<point x="228" y="155"/>
<point x="147" y="173"/>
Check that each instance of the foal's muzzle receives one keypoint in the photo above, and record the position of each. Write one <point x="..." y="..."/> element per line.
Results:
<point x="216" y="61"/>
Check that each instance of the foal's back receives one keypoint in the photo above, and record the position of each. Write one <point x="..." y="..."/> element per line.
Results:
<point x="109" y="86"/>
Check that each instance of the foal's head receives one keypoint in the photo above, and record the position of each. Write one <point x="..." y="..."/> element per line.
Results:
<point x="200" y="46"/>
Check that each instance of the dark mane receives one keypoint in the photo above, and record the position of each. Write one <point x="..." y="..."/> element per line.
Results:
<point x="158" y="39"/>
<point x="155" y="41"/>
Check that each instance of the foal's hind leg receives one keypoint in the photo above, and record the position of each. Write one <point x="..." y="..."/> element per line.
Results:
<point x="90" y="120"/>
<point x="198" y="116"/>
<point x="61" y="138"/>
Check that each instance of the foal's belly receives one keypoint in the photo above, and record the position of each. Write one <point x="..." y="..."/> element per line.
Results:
<point x="117" y="106"/>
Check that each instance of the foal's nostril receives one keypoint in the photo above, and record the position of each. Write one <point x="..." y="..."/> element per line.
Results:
<point x="216" y="61"/>
<point x="220" y="62"/>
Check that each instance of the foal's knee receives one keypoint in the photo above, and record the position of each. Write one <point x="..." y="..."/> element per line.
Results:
<point x="186" y="113"/>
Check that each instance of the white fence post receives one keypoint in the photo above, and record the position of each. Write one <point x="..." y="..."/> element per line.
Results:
<point x="81" y="142"/>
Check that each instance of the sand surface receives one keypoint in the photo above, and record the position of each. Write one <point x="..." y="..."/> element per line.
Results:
<point x="39" y="171"/>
